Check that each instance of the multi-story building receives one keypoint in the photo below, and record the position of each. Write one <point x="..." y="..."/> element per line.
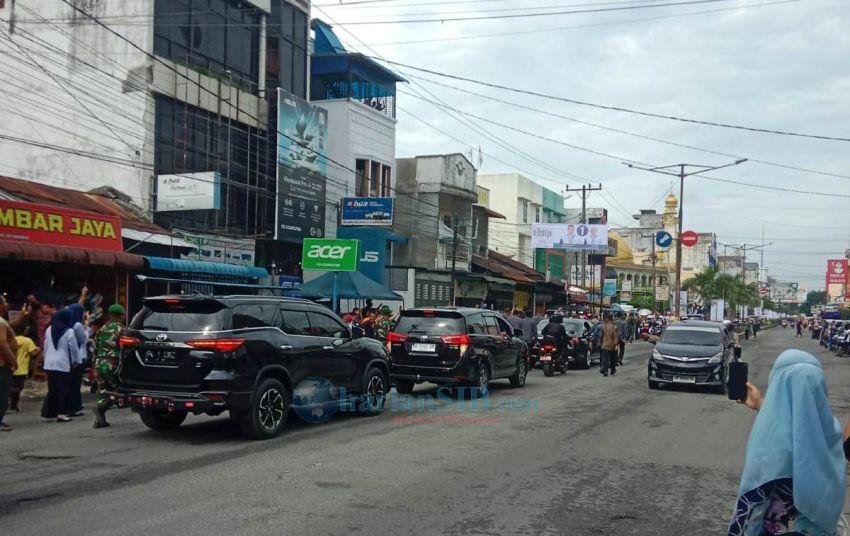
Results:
<point x="523" y="202"/>
<point x="434" y="210"/>
<point x="174" y="113"/>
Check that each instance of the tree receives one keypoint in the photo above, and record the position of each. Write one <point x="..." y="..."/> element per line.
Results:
<point x="710" y="284"/>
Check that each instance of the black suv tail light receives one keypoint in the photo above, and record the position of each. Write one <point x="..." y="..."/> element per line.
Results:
<point x="217" y="345"/>
<point x="128" y="342"/>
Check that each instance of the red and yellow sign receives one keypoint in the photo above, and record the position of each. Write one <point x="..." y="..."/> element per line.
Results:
<point x="56" y="226"/>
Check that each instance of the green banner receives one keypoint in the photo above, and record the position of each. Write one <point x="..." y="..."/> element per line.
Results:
<point x="330" y="255"/>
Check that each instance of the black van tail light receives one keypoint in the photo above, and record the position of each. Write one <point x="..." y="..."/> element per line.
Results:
<point x="217" y="345"/>
<point x="462" y="340"/>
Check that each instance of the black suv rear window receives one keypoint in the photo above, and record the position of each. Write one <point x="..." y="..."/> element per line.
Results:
<point x="181" y="316"/>
<point x="438" y="324"/>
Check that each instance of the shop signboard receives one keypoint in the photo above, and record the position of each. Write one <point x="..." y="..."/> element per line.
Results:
<point x="367" y="211"/>
<point x="573" y="237"/>
<point x="330" y="255"/>
<point x="836" y="272"/>
<point x="56" y="226"/>
<point x="472" y="288"/>
<point x="662" y="293"/>
<point x="373" y="250"/>
<point x="214" y="248"/>
<point x="610" y="287"/>
<point x="188" y="191"/>
<point x="302" y="167"/>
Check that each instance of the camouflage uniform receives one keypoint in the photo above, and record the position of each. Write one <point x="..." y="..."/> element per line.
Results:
<point x="383" y="327"/>
<point x="105" y="361"/>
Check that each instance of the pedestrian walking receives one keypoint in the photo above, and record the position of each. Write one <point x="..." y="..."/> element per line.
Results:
<point x="529" y="329"/>
<point x="623" y="334"/>
<point x="794" y="474"/>
<point x="610" y="338"/>
<point x="799" y="329"/>
<point x="61" y="353"/>
<point x="106" y="353"/>
<point x="8" y="362"/>
<point x="27" y="351"/>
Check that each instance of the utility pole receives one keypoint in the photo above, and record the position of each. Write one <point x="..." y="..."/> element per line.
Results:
<point x="585" y="191"/>
<point x="654" y="275"/>
<point x="681" y="174"/>
<point x="454" y="258"/>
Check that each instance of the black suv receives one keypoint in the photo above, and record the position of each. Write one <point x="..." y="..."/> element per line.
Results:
<point x="455" y="346"/>
<point x="242" y="354"/>
<point x="691" y="352"/>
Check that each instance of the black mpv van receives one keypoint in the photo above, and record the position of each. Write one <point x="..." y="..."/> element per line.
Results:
<point x="455" y="346"/>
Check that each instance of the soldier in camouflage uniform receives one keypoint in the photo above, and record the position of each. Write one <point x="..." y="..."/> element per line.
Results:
<point x="384" y="325"/>
<point x="106" y="360"/>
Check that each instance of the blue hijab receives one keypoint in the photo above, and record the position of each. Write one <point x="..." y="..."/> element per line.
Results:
<point x="796" y="436"/>
<point x="64" y="320"/>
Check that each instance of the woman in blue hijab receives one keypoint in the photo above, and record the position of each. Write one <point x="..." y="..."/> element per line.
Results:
<point x="794" y="475"/>
<point x="61" y="356"/>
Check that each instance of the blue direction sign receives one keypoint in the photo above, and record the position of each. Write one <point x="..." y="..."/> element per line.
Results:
<point x="663" y="239"/>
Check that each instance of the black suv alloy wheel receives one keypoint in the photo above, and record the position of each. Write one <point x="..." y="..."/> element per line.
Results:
<point x="374" y="392"/>
<point x="269" y="408"/>
<point x="518" y="379"/>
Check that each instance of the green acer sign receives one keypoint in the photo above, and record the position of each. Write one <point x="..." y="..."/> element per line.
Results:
<point x="330" y="255"/>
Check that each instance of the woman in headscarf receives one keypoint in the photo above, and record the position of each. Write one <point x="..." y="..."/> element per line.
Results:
<point x="61" y="354"/>
<point x="794" y="475"/>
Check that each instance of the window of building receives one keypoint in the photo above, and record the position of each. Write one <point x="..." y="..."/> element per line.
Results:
<point x="524" y="210"/>
<point x="188" y="139"/>
<point x="374" y="179"/>
<point x="537" y="212"/>
<point x="398" y="279"/>
<point x="214" y="36"/>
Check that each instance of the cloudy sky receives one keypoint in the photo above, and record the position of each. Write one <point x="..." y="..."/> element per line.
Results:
<point x="758" y="63"/>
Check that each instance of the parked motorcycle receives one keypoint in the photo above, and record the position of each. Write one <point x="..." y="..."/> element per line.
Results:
<point x="552" y="359"/>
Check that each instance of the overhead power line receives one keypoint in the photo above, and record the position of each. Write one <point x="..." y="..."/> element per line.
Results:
<point x="539" y="31"/>
<point x="530" y="15"/>
<point x="612" y="108"/>
<point x="626" y="132"/>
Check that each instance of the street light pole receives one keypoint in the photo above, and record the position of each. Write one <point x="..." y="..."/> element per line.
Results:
<point x="681" y="174"/>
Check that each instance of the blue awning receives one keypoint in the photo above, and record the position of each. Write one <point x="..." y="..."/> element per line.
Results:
<point x="164" y="264"/>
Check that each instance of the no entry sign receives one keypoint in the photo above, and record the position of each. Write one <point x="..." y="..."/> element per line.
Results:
<point x="689" y="239"/>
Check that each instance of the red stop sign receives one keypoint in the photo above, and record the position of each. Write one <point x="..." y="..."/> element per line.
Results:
<point x="689" y="239"/>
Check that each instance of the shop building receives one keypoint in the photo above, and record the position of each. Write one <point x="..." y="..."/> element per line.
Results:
<point x="189" y="108"/>
<point x="435" y="195"/>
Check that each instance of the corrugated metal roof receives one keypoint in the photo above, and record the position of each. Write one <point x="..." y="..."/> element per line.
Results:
<point x="202" y="267"/>
<point x="34" y="192"/>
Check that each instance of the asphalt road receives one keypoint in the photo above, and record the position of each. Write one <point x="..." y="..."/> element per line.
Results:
<point x="597" y="456"/>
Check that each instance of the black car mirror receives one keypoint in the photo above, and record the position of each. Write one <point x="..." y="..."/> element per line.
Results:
<point x="518" y="333"/>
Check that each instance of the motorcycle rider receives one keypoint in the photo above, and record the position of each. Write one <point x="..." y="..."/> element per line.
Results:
<point x="558" y="333"/>
<point x="733" y="336"/>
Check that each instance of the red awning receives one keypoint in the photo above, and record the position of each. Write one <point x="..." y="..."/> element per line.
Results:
<point x="42" y="253"/>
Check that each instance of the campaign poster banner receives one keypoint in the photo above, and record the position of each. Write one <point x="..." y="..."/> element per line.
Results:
<point x="367" y="211"/>
<point x="610" y="287"/>
<point x="836" y="271"/>
<point x="574" y="237"/>
<point x="302" y="166"/>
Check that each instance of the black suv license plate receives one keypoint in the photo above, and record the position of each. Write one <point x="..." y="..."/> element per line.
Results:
<point x="160" y="357"/>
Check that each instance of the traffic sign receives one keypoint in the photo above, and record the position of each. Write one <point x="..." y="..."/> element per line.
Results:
<point x="689" y="239"/>
<point x="663" y="239"/>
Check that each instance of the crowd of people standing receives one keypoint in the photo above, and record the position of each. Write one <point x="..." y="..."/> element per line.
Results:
<point x="63" y="343"/>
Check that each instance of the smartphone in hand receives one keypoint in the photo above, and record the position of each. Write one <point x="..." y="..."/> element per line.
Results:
<point x="738" y="377"/>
